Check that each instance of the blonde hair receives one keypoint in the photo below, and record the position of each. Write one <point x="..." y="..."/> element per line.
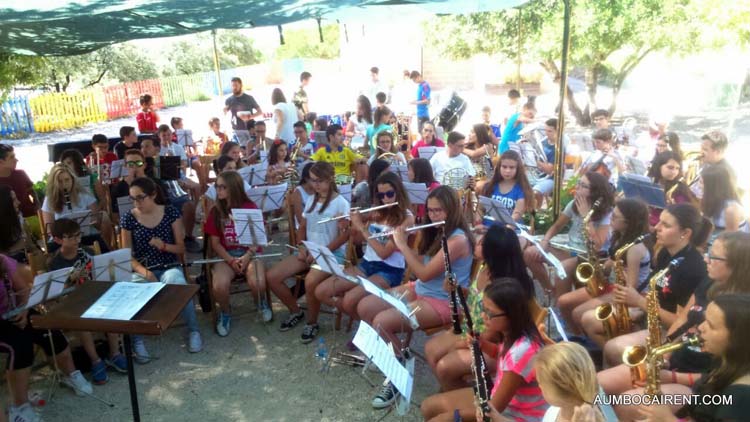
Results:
<point x="56" y="192"/>
<point x="567" y="369"/>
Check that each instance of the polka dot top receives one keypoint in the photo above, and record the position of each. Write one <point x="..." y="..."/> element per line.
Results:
<point x="141" y="235"/>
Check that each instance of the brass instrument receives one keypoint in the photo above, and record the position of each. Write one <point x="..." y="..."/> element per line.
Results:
<point x="456" y="178"/>
<point x="668" y="194"/>
<point x="693" y="162"/>
<point x="645" y="362"/>
<point x="591" y="273"/>
<point x="615" y="317"/>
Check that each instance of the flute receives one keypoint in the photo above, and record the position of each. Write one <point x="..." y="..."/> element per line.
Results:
<point x="408" y="229"/>
<point x="363" y="211"/>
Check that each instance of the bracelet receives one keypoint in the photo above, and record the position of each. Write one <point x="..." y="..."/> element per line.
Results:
<point x="691" y="381"/>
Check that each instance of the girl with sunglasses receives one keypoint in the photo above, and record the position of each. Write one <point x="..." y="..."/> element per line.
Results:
<point x="238" y="259"/>
<point x="324" y="204"/>
<point x="515" y="393"/>
<point x="382" y="263"/>
<point x="135" y="164"/>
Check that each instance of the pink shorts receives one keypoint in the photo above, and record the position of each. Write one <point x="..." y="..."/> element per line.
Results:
<point x="440" y="306"/>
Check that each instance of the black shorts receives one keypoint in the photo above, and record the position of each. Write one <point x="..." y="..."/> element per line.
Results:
<point x="20" y="343"/>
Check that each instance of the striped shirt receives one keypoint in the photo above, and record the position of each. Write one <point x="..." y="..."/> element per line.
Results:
<point x="528" y="403"/>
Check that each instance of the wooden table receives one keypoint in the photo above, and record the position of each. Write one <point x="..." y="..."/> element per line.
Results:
<point x="153" y="319"/>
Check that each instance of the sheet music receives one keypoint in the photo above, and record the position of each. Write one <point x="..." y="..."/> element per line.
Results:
<point x="248" y="224"/>
<point x="48" y="286"/>
<point x="123" y="300"/>
<point x="117" y="169"/>
<point x="495" y="209"/>
<point x="184" y="137"/>
<point x="268" y="198"/>
<point x="402" y="170"/>
<point x="400" y="306"/>
<point x="83" y="218"/>
<point x="327" y="260"/>
<point x="346" y="191"/>
<point x="255" y="174"/>
<point x="381" y="354"/>
<point x="428" y="152"/>
<point x="125" y="204"/>
<point x="417" y="193"/>
<point x="112" y="266"/>
<point x="551" y="258"/>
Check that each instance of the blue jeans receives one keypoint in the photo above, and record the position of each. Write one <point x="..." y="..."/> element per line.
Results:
<point x="175" y="276"/>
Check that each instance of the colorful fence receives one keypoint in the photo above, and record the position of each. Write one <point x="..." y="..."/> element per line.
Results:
<point x="15" y="117"/>
<point x="56" y="111"/>
<point x="123" y="99"/>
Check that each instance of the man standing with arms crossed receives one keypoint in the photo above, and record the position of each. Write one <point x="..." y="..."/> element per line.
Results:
<point x="239" y="102"/>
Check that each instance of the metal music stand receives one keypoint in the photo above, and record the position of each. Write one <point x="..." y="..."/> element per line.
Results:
<point x="251" y="228"/>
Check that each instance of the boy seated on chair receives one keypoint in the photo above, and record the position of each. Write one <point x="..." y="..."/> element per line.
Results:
<point x="67" y="234"/>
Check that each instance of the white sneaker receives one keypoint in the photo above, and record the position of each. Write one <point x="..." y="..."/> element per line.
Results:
<point x="266" y="312"/>
<point x="78" y="383"/>
<point x="223" y="324"/>
<point x="23" y="413"/>
<point x="139" y="348"/>
<point x="195" y="343"/>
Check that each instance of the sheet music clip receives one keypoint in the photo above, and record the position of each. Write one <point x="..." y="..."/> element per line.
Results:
<point x="112" y="266"/>
<point x="252" y="230"/>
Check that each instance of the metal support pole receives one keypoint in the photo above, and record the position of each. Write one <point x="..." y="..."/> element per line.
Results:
<point x="518" y="58"/>
<point x="559" y="153"/>
<point x="128" y="344"/>
<point x="217" y="68"/>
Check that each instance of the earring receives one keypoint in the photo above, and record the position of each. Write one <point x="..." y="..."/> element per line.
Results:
<point x="682" y="237"/>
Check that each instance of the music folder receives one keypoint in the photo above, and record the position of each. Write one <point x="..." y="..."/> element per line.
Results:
<point x="637" y="186"/>
<point x="417" y="193"/>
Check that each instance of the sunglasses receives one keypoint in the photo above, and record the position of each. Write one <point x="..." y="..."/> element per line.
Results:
<point x="138" y="163"/>
<point x="383" y="195"/>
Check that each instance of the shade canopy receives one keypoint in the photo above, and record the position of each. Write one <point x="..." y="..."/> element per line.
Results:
<point x="60" y="27"/>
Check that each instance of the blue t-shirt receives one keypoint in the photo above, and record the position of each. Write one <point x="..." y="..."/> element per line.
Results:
<point x="434" y="287"/>
<point x="508" y="200"/>
<point x="511" y="133"/>
<point x="423" y="93"/>
<point x="141" y="235"/>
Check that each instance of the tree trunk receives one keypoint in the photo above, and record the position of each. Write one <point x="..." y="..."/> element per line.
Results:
<point x="551" y="67"/>
<point x="592" y="79"/>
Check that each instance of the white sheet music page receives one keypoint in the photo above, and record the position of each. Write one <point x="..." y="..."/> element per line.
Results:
<point x="48" y="286"/>
<point x="248" y="224"/>
<point x="123" y="300"/>
<point x="428" y="152"/>
<point x="268" y="198"/>
<point x="374" y="347"/>
<point x="400" y="306"/>
<point x="326" y="260"/>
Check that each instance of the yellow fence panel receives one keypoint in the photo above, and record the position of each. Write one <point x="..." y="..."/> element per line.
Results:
<point x="59" y="111"/>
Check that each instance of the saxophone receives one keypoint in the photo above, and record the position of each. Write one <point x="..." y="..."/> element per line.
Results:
<point x="591" y="273"/>
<point x="615" y="317"/>
<point x="645" y="362"/>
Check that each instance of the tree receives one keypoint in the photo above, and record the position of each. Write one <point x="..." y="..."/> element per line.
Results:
<point x="608" y="38"/>
<point x="17" y="70"/>
<point x="197" y="55"/>
<point x="306" y="43"/>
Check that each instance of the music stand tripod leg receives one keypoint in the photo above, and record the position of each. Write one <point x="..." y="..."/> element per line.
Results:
<point x="131" y="377"/>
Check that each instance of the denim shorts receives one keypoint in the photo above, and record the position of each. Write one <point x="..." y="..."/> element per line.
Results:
<point x="392" y="275"/>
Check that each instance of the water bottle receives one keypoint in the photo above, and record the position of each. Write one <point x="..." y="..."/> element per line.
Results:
<point x="321" y="352"/>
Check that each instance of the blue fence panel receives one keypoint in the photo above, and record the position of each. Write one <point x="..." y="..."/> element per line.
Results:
<point x="15" y="116"/>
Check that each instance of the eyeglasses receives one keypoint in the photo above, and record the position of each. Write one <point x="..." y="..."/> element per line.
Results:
<point x="139" y="198"/>
<point x="76" y="235"/>
<point x="315" y="181"/>
<point x="583" y="185"/>
<point x="220" y="187"/>
<point x="383" y="195"/>
<point x="462" y="145"/>
<point x="138" y="163"/>
<point x="491" y="316"/>
<point x="710" y="257"/>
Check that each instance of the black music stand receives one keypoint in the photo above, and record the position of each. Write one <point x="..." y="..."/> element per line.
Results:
<point x="636" y="186"/>
<point x="169" y="167"/>
<point x="496" y="211"/>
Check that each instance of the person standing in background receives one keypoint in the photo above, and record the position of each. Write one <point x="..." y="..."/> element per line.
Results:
<point x="376" y="86"/>
<point x="237" y="102"/>
<point x="300" y="97"/>
<point x="423" y="98"/>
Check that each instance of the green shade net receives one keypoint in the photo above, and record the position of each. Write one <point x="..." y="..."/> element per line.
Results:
<point x="61" y="28"/>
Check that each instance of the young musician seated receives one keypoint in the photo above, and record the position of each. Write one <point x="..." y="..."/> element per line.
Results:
<point x="419" y="170"/>
<point x="195" y="162"/>
<point x="101" y="159"/>
<point x="304" y="146"/>
<point x="18" y="337"/>
<point x="278" y="162"/>
<point x="64" y="195"/>
<point x="74" y="159"/>
<point x="628" y="223"/>
<point x="155" y="234"/>
<point x="222" y="231"/>
<point x="429" y="139"/>
<point x="13" y="240"/>
<point x="510" y="186"/>
<point x="430" y="293"/>
<point x="380" y="122"/>
<point x="222" y="164"/>
<point x="727" y="263"/>
<point x="666" y="171"/>
<point x="546" y="164"/>
<point x="479" y="143"/>
<point x="605" y="160"/>
<point x="721" y="202"/>
<point x="135" y="163"/>
<point x="342" y="158"/>
<point x="67" y="234"/>
<point x="387" y="149"/>
<point x="216" y="138"/>
<point x="383" y="263"/>
<point x="128" y="140"/>
<point x="515" y="392"/>
<point x="324" y="204"/>
<point x="452" y="158"/>
<point x="447" y="353"/>
<point x="590" y="188"/>
<point x="233" y="150"/>
<point x="727" y="321"/>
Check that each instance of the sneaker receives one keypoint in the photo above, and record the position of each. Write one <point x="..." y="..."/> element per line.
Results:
<point x="266" y="311"/>
<point x="118" y="363"/>
<point x="386" y="396"/>
<point x="99" y="373"/>
<point x="139" y="348"/>
<point x="192" y="245"/>
<point x="223" y="324"/>
<point x="195" y="343"/>
<point x="292" y="321"/>
<point x="23" y="413"/>
<point x="78" y="383"/>
<point x="309" y="332"/>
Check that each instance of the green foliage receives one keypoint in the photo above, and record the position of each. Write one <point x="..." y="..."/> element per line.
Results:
<point x="17" y="70"/>
<point x="197" y="55"/>
<point x="40" y="187"/>
<point x="306" y="43"/>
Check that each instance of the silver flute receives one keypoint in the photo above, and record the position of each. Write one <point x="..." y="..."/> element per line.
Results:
<point x="408" y="230"/>
<point x="363" y="211"/>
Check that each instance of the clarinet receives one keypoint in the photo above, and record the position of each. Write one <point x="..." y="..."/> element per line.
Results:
<point x="453" y="283"/>
<point x="67" y="200"/>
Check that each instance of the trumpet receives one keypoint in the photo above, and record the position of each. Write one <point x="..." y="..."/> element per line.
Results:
<point x="408" y="230"/>
<point x="363" y="211"/>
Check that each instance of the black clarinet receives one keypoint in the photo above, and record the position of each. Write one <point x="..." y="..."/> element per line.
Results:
<point x="67" y="200"/>
<point x="452" y="281"/>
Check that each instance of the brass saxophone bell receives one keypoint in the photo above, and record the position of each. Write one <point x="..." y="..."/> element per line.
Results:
<point x="635" y="357"/>
<point x="605" y="313"/>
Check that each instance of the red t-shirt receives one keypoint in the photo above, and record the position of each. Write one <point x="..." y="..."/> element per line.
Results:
<point x="21" y="184"/>
<point x="147" y="121"/>
<point x="228" y="239"/>
<point x="104" y="164"/>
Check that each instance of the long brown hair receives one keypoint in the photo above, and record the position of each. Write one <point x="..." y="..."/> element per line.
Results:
<point x="482" y="133"/>
<point x="737" y="246"/>
<point x="395" y="215"/>
<point x="718" y="188"/>
<point x="635" y="213"/>
<point x="599" y="188"/>
<point x="56" y="192"/>
<point x="236" y="197"/>
<point x="451" y="205"/>
<point x="521" y="179"/>
<point x="325" y="172"/>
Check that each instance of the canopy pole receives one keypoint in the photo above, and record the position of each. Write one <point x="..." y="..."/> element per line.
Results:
<point x="217" y="68"/>
<point x="518" y="58"/>
<point x="559" y="170"/>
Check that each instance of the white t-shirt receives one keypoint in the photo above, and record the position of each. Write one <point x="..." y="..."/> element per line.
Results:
<point x="441" y="164"/>
<point x="551" y="414"/>
<point x="305" y="197"/>
<point x="174" y="150"/>
<point x="396" y="259"/>
<point x="211" y="191"/>
<point x="323" y="234"/>
<point x="85" y="200"/>
<point x="289" y="111"/>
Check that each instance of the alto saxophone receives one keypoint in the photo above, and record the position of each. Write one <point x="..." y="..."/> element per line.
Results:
<point x="615" y="317"/>
<point x="645" y="362"/>
<point x="591" y="273"/>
